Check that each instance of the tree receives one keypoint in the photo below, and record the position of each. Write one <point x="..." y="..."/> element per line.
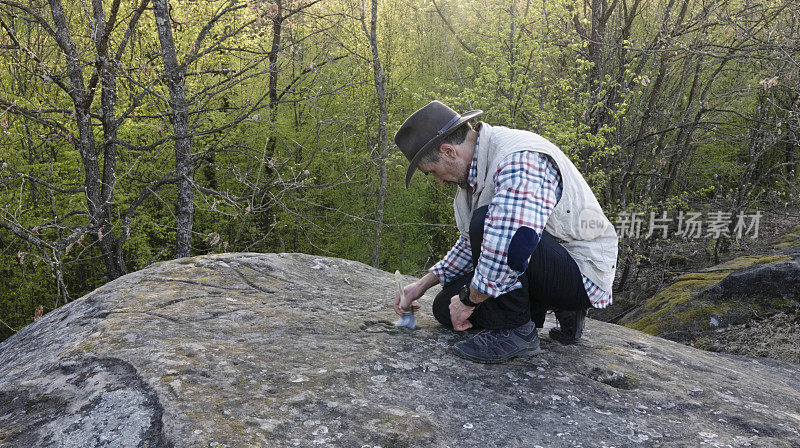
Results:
<point x="383" y="141"/>
<point x="175" y="76"/>
<point x="42" y="52"/>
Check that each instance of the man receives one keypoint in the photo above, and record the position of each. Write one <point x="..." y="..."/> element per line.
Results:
<point x="532" y="234"/>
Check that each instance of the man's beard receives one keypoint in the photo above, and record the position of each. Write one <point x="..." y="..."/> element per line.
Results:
<point x="463" y="180"/>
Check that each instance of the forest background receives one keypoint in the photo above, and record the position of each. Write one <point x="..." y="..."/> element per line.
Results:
<point x="136" y="131"/>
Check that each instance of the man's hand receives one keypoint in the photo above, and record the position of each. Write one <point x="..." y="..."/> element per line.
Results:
<point x="459" y="313"/>
<point x="413" y="292"/>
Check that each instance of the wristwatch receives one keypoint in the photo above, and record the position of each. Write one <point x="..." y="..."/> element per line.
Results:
<point x="463" y="296"/>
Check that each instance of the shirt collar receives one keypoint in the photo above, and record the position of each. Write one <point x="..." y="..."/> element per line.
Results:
<point x="472" y="179"/>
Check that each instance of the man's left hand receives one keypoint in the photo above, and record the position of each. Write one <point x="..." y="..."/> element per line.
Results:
<point x="459" y="313"/>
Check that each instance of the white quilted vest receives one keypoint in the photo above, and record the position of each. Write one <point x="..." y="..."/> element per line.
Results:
<point x="577" y="221"/>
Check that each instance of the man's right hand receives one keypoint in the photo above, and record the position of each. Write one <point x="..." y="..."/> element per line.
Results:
<point x="412" y="292"/>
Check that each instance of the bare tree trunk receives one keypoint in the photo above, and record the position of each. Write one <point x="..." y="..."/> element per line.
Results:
<point x="600" y="12"/>
<point x="684" y="137"/>
<point x="175" y="77"/>
<point x="747" y="182"/>
<point x="793" y="140"/>
<point x="383" y="143"/>
<point x="267" y="216"/>
<point x="596" y="35"/>
<point x="82" y="100"/>
<point x="104" y="68"/>
<point x="626" y="183"/>
<point x="683" y="141"/>
<point x="277" y="27"/>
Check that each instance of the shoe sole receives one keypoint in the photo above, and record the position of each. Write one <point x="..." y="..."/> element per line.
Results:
<point x="524" y="351"/>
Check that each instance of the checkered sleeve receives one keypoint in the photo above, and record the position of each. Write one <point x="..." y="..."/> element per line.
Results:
<point x="526" y="184"/>
<point x="598" y="297"/>
<point x="458" y="261"/>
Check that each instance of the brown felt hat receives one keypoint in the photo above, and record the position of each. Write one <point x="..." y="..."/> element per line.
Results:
<point x="425" y="129"/>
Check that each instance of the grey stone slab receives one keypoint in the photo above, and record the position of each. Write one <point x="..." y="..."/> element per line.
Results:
<point x="281" y="350"/>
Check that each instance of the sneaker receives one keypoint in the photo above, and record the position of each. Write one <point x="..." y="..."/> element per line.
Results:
<point x="493" y="346"/>
<point x="571" y="325"/>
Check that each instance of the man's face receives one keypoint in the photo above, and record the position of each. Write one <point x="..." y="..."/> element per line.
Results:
<point x="448" y="169"/>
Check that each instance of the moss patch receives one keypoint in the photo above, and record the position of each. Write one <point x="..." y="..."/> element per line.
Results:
<point x="790" y="239"/>
<point x="675" y="307"/>
<point x="747" y="261"/>
<point x="783" y="303"/>
<point x="670" y="309"/>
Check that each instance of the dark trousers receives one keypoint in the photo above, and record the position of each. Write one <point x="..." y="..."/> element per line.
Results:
<point x="552" y="280"/>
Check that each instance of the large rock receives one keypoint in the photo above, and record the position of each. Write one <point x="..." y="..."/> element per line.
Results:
<point x="244" y="350"/>
<point x="736" y="292"/>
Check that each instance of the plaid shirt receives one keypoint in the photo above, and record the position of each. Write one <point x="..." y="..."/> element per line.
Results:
<point x="527" y="188"/>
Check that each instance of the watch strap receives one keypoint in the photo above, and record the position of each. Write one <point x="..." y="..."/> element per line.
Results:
<point x="463" y="296"/>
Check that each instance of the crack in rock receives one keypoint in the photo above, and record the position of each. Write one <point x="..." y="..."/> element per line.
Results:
<point x="98" y="402"/>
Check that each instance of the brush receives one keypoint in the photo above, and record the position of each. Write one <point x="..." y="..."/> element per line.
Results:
<point x="407" y="319"/>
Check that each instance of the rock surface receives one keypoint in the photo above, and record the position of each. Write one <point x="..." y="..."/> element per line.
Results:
<point x="776" y="337"/>
<point x="245" y="350"/>
<point x="736" y="292"/>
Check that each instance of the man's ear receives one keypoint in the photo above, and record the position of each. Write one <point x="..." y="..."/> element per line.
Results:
<point x="447" y="150"/>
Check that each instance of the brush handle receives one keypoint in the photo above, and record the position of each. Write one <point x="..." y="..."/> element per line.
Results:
<point x="398" y="277"/>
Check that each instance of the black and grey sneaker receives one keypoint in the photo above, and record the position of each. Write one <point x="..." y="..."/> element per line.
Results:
<point x="493" y="346"/>
<point x="571" y="325"/>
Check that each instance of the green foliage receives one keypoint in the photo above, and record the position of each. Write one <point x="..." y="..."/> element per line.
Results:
<point x="26" y="283"/>
<point x="303" y="175"/>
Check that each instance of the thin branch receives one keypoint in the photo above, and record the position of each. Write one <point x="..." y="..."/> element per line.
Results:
<point x="450" y="27"/>
<point x="46" y="184"/>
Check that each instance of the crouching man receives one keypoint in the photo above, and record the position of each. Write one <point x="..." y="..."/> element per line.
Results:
<point x="533" y="237"/>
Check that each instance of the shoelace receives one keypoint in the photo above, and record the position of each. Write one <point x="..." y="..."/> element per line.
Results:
<point x="487" y="336"/>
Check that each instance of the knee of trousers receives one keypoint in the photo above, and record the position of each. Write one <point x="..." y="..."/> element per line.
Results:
<point x="441" y="310"/>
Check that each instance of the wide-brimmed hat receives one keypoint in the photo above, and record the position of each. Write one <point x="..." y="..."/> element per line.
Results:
<point x="425" y="129"/>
